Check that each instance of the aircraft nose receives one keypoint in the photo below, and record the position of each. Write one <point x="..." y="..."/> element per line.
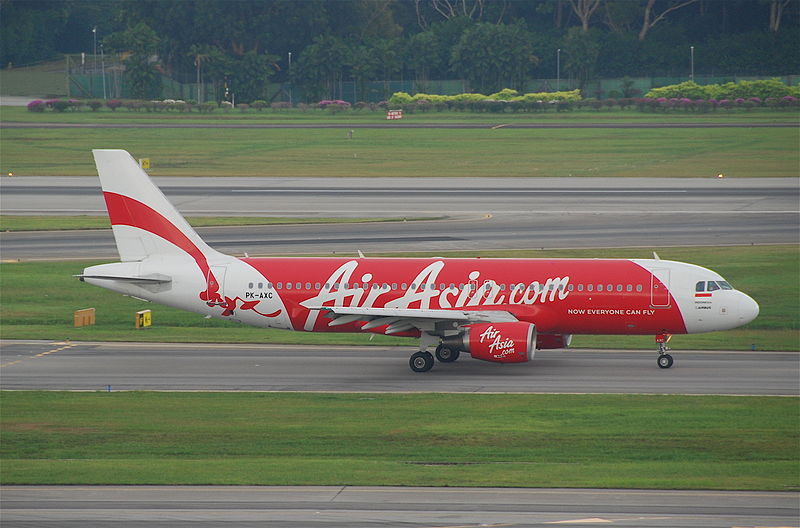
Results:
<point x="748" y="309"/>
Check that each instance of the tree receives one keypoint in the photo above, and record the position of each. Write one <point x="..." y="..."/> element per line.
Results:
<point x="364" y="66"/>
<point x="141" y="42"/>
<point x="320" y="67"/>
<point x="584" y="9"/>
<point x="493" y="57"/>
<point x="776" y="8"/>
<point x="581" y="50"/>
<point x="651" y="18"/>
<point x="249" y="75"/>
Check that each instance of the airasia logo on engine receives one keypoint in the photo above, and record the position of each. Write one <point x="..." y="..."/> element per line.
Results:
<point x="501" y="342"/>
<point x="496" y="344"/>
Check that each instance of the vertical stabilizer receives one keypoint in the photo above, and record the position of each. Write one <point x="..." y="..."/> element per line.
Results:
<point x="144" y="222"/>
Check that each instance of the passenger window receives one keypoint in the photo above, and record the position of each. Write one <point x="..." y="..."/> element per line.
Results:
<point x="260" y="285"/>
<point x="269" y="285"/>
<point x="288" y="285"/>
<point x="279" y="286"/>
<point x="571" y="287"/>
<point x="394" y="285"/>
<point x="317" y="286"/>
<point x="308" y="285"/>
<point x="599" y="287"/>
<point x="250" y="286"/>
<point x="580" y="287"/>
<point x="629" y="288"/>
<point x="619" y="287"/>
<point x="712" y="286"/>
<point x="404" y="286"/>
<point x="638" y="287"/>
<point x="590" y="287"/>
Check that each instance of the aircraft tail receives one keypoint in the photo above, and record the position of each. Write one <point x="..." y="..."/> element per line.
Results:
<point x="144" y="222"/>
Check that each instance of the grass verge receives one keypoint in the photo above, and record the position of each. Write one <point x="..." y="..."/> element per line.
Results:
<point x="606" y="441"/>
<point x="664" y="152"/>
<point x="21" y="114"/>
<point x="31" y="310"/>
<point x="63" y="223"/>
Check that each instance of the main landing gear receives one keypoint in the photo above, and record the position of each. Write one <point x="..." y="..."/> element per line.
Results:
<point x="664" y="360"/>
<point x="422" y="361"/>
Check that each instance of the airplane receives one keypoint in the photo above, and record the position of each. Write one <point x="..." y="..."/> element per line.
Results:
<point x="497" y="310"/>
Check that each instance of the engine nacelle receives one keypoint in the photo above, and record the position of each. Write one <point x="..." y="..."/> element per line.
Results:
<point x="546" y="341"/>
<point x="498" y="342"/>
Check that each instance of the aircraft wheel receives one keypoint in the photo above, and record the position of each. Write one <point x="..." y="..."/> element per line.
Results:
<point x="446" y="354"/>
<point x="421" y="362"/>
<point x="665" y="361"/>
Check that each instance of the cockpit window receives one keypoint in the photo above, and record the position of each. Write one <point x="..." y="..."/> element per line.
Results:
<point x="724" y="285"/>
<point x="712" y="286"/>
<point x="700" y="286"/>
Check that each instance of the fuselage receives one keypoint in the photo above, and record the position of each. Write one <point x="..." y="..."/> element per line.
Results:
<point x="560" y="296"/>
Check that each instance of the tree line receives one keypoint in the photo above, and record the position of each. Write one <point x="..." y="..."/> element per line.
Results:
<point x="242" y="45"/>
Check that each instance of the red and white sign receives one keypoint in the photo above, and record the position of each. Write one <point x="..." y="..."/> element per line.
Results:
<point x="394" y="114"/>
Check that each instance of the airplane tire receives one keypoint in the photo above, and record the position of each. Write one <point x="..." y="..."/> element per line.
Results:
<point x="665" y="361"/>
<point x="446" y="354"/>
<point x="421" y="362"/>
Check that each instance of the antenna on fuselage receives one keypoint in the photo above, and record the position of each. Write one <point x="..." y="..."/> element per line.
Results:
<point x="655" y="256"/>
<point x="360" y="254"/>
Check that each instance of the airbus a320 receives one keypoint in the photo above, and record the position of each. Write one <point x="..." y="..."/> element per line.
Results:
<point x="498" y="310"/>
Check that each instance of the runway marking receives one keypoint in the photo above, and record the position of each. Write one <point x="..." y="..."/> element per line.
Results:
<point x="473" y="191"/>
<point x="65" y="346"/>
<point x="591" y="520"/>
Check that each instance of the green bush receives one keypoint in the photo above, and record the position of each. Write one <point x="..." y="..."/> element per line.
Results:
<point x="400" y="98"/>
<point x="688" y="90"/>
<point x="742" y="90"/>
<point x="506" y="94"/>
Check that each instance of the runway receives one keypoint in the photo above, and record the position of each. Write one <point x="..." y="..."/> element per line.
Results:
<point x="506" y="214"/>
<point x="29" y="365"/>
<point x="356" y="507"/>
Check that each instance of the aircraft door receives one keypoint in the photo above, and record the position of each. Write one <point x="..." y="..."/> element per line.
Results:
<point x="659" y="288"/>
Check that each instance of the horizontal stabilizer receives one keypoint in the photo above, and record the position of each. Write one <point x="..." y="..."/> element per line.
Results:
<point x="155" y="278"/>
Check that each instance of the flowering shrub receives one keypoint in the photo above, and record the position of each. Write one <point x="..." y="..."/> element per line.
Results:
<point x="95" y="105"/>
<point x="113" y="104"/>
<point x="37" y="106"/>
<point x="59" y="105"/>
<point x="334" y="106"/>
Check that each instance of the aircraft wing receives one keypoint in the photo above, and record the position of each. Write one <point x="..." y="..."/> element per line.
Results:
<point x="404" y="319"/>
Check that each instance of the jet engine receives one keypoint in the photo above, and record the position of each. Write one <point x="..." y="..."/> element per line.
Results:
<point x="497" y="342"/>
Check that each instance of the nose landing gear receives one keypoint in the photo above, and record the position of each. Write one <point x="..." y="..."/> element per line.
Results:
<point x="664" y="360"/>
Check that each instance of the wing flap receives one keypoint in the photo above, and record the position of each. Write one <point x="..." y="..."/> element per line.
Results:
<point x="403" y="319"/>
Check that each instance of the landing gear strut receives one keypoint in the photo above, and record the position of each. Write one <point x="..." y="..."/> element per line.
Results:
<point x="422" y="361"/>
<point x="664" y="360"/>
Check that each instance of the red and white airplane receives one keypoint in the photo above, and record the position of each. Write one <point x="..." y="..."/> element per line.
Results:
<point x="498" y="310"/>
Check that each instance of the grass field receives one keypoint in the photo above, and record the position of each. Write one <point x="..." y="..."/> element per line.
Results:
<point x="696" y="153"/>
<point x="22" y="115"/>
<point x="63" y="223"/>
<point x="607" y="441"/>
<point x="768" y="273"/>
